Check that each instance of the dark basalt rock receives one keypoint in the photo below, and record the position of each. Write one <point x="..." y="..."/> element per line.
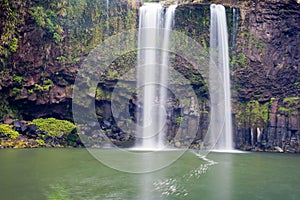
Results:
<point x="19" y="126"/>
<point x="32" y="129"/>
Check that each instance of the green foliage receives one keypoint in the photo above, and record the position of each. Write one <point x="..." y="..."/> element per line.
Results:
<point x="179" y="120"/>
<point x="100" y="93"/>
<point x="40" y="142"/>
<point x="291" y="100"/>
<point x="16" y="91"/>
<point x="253" y="114"/>
<point x="57" y="37"/>
<point x="6" y="108"/>
<point x="18" y="79"/>
<point x="8" y="131"/>
<point x="204" y="45"/>
<point x="13" y="45"/>
<point x="239" y="60"/>
<point x="38" y="14"/>
<point x="47" y="19"/>
<point x="113" y="74"/>
<point x="61" y="58"/>
<point x="8" y="28"/>
<point x="47" y="84"/>
<point x="257" y="42"/>
<point x="285" y="110"/>
<point x="290" y="104"/>
<point x="30" y="91"/>
<point x="54" y="127"/>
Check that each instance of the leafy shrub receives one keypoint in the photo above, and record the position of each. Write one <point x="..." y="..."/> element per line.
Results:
<point x="8" y="131"/>
<point x="54" y="127"/>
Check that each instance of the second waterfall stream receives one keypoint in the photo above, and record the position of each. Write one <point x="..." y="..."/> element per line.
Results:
<point x="155" y="24"/>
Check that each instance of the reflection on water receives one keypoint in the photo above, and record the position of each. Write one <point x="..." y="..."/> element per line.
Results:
<point x="222" y="180"/>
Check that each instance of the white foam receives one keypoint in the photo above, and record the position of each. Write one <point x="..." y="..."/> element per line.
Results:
<point x="153" y="149"/>
<point x="228" y="151"/>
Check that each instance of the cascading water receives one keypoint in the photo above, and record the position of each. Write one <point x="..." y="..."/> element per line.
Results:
<point x="107" y="9"/>
<point x="152" y="73"/>
<point x="235" y="26"/>
<point x="219" y="56"/>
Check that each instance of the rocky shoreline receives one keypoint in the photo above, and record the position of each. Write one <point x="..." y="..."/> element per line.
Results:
<point x="19" y="134"/>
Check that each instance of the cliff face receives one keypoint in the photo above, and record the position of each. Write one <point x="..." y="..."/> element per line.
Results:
<point x="269" y="38"/>
<point x="43" y="43"/>
<point x="266" y="81"/>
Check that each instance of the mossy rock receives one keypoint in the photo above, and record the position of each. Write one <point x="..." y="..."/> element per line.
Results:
<point x="8" y="131"/>
<point x="54" y="127"/>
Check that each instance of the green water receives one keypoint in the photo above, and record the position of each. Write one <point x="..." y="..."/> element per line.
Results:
<point x="75" y="174"/>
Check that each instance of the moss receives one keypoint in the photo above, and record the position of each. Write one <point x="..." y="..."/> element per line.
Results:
<point x="112" y="75"/>
<point x="18" y="79"/>
<point x="253" y="113"/>
<point x="57" y="38"/>
<point x="40" y="142"/>
<point x="179" y="120"/>
<point x="291" y="100"/>
<point x="264" y="110"/>
<point x="47" y="84"/>
<point x="10" y="18"/>
<point x="13" y="45"/>
<point x="54" y="127"/>
<point x="283" y="109"/>
<point x="239" y="60"/>
<point x="100" y="93"/>
<point x="16" y="91"/>
<point x="47" y="19"/>
<point x="291" y="104"/>
<point x="6" y="108"/>
<point x="8" y="131"/>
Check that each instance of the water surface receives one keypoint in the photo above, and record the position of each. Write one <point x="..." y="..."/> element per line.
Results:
<point x="75" y="174"/>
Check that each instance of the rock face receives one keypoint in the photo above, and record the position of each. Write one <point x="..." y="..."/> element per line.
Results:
<point x="43" y="45"/>
<point x="42" y="50"/>
<point x="267" y="82"/>
<point x="269" y="39"/>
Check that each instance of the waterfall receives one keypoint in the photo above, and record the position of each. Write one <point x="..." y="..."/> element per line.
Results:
<point x="107" y="9"/>
<point x="235" y="26"/>
<point x="152" y="73"/>
<point x="221" y="99"/>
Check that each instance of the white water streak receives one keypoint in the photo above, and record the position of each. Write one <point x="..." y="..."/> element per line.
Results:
<point x="173" y="186"/>
<point x="219" y="56"/>
<point x="152" y="73"/>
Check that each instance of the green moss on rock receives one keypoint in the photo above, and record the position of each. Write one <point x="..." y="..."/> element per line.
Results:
<point x="7" y="130"/>
<point x="54" y="127"/>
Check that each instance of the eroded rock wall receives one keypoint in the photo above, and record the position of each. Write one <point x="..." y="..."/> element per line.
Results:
<point x="43" y="43"/>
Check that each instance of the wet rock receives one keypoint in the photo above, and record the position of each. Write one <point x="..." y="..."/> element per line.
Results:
<point x="177" y="144"/>
<point x="32" y="129"/>
<point x="8" y="121"/>
<point x="19" y="126"/>
<point x="277" y="148"/>
<point x="106" y="123"/>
